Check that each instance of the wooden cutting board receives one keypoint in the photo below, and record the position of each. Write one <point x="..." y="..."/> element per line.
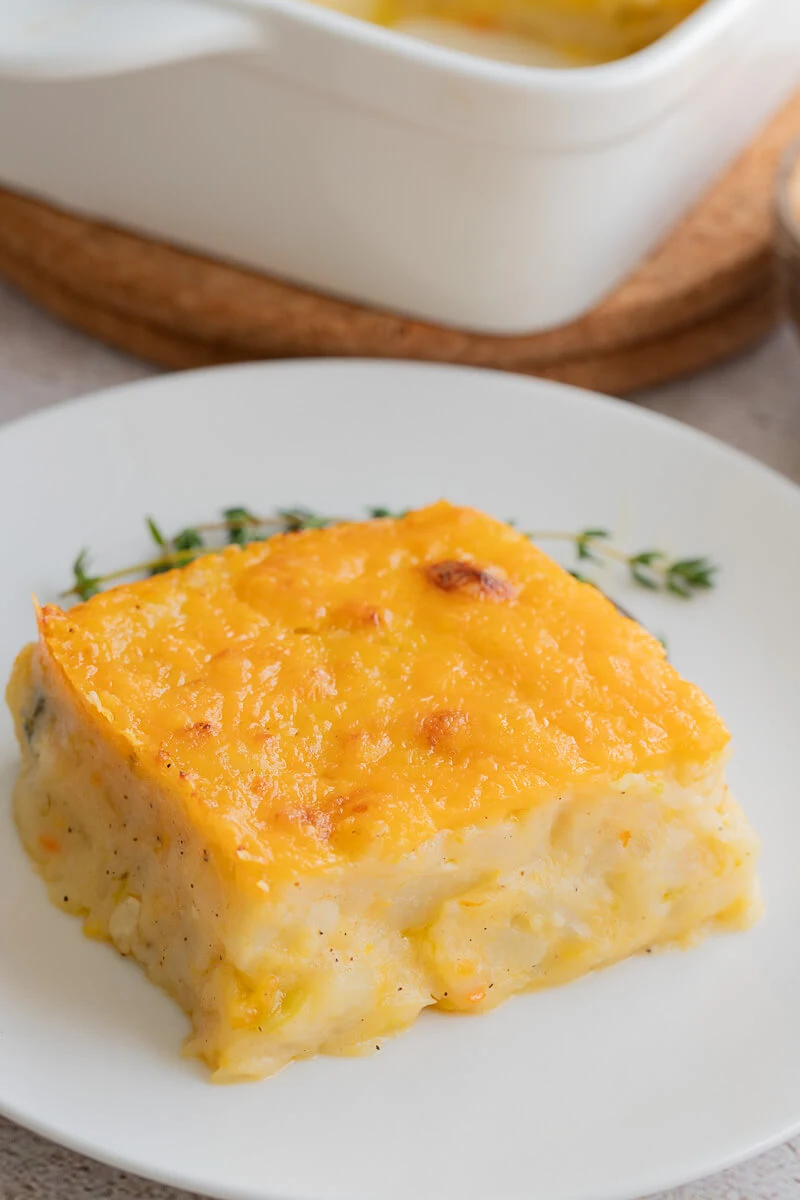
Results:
<point x="706" y="293"/>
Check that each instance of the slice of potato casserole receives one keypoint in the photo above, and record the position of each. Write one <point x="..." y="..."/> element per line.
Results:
<point x="322" y="782"/>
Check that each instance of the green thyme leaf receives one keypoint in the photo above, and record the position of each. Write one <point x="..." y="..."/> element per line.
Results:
<point x="188" y="539"/>
<point x="643" y="579"/>
<point x="692" y="572"/>
<point x="243" y="526"/>
<point x="155" y="532"/>
<point x="85" y="585"/>
<point x="298" y="519"/>
<point x="677" y="588"/>
<point x="377" y="514"/>
<point x="239" y="516"/>
<point x="584" y="542"/>
<point x="646" y="558"/>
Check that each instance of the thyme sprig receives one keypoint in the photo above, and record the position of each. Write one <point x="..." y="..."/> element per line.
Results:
<point x="85" y="585"/>
<point x="239" y="526"/>
<point x="594" y="547"/>
<point x="650" y="569"/>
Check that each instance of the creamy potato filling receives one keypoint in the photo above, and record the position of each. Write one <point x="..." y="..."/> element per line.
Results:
<point x="333" y="961"/>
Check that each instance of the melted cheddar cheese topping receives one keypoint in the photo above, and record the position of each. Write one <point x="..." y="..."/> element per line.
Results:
<point x="346" y="693"/>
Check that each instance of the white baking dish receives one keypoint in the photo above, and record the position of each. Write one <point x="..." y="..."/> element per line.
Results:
<point x="361" y="162"/>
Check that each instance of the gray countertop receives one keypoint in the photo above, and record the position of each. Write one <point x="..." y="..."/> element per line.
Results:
<point x="753" y="403"/>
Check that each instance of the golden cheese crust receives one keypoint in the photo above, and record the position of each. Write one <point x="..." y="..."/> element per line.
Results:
<point x="346" y="693"/>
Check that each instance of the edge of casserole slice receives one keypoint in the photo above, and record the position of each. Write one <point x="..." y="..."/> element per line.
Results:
<point x="318" y="784"/>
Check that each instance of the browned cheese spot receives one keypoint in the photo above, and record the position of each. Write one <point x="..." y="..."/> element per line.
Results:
<point x="198" y="733"/>
<point x="452" y="575"/>
<point x="441" y="724"/>
<point x="325" y="818"/>
<point x="356" y="615"/>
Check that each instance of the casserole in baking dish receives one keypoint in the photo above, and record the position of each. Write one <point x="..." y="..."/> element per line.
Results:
<point x="358" y="161"/>
<point x="582" y="31"/>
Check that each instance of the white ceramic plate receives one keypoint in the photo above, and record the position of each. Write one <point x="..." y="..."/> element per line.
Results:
<point x="638" y="1078"/>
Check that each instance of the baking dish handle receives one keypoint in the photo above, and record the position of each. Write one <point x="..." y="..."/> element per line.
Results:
<point x="79" y="39"/>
